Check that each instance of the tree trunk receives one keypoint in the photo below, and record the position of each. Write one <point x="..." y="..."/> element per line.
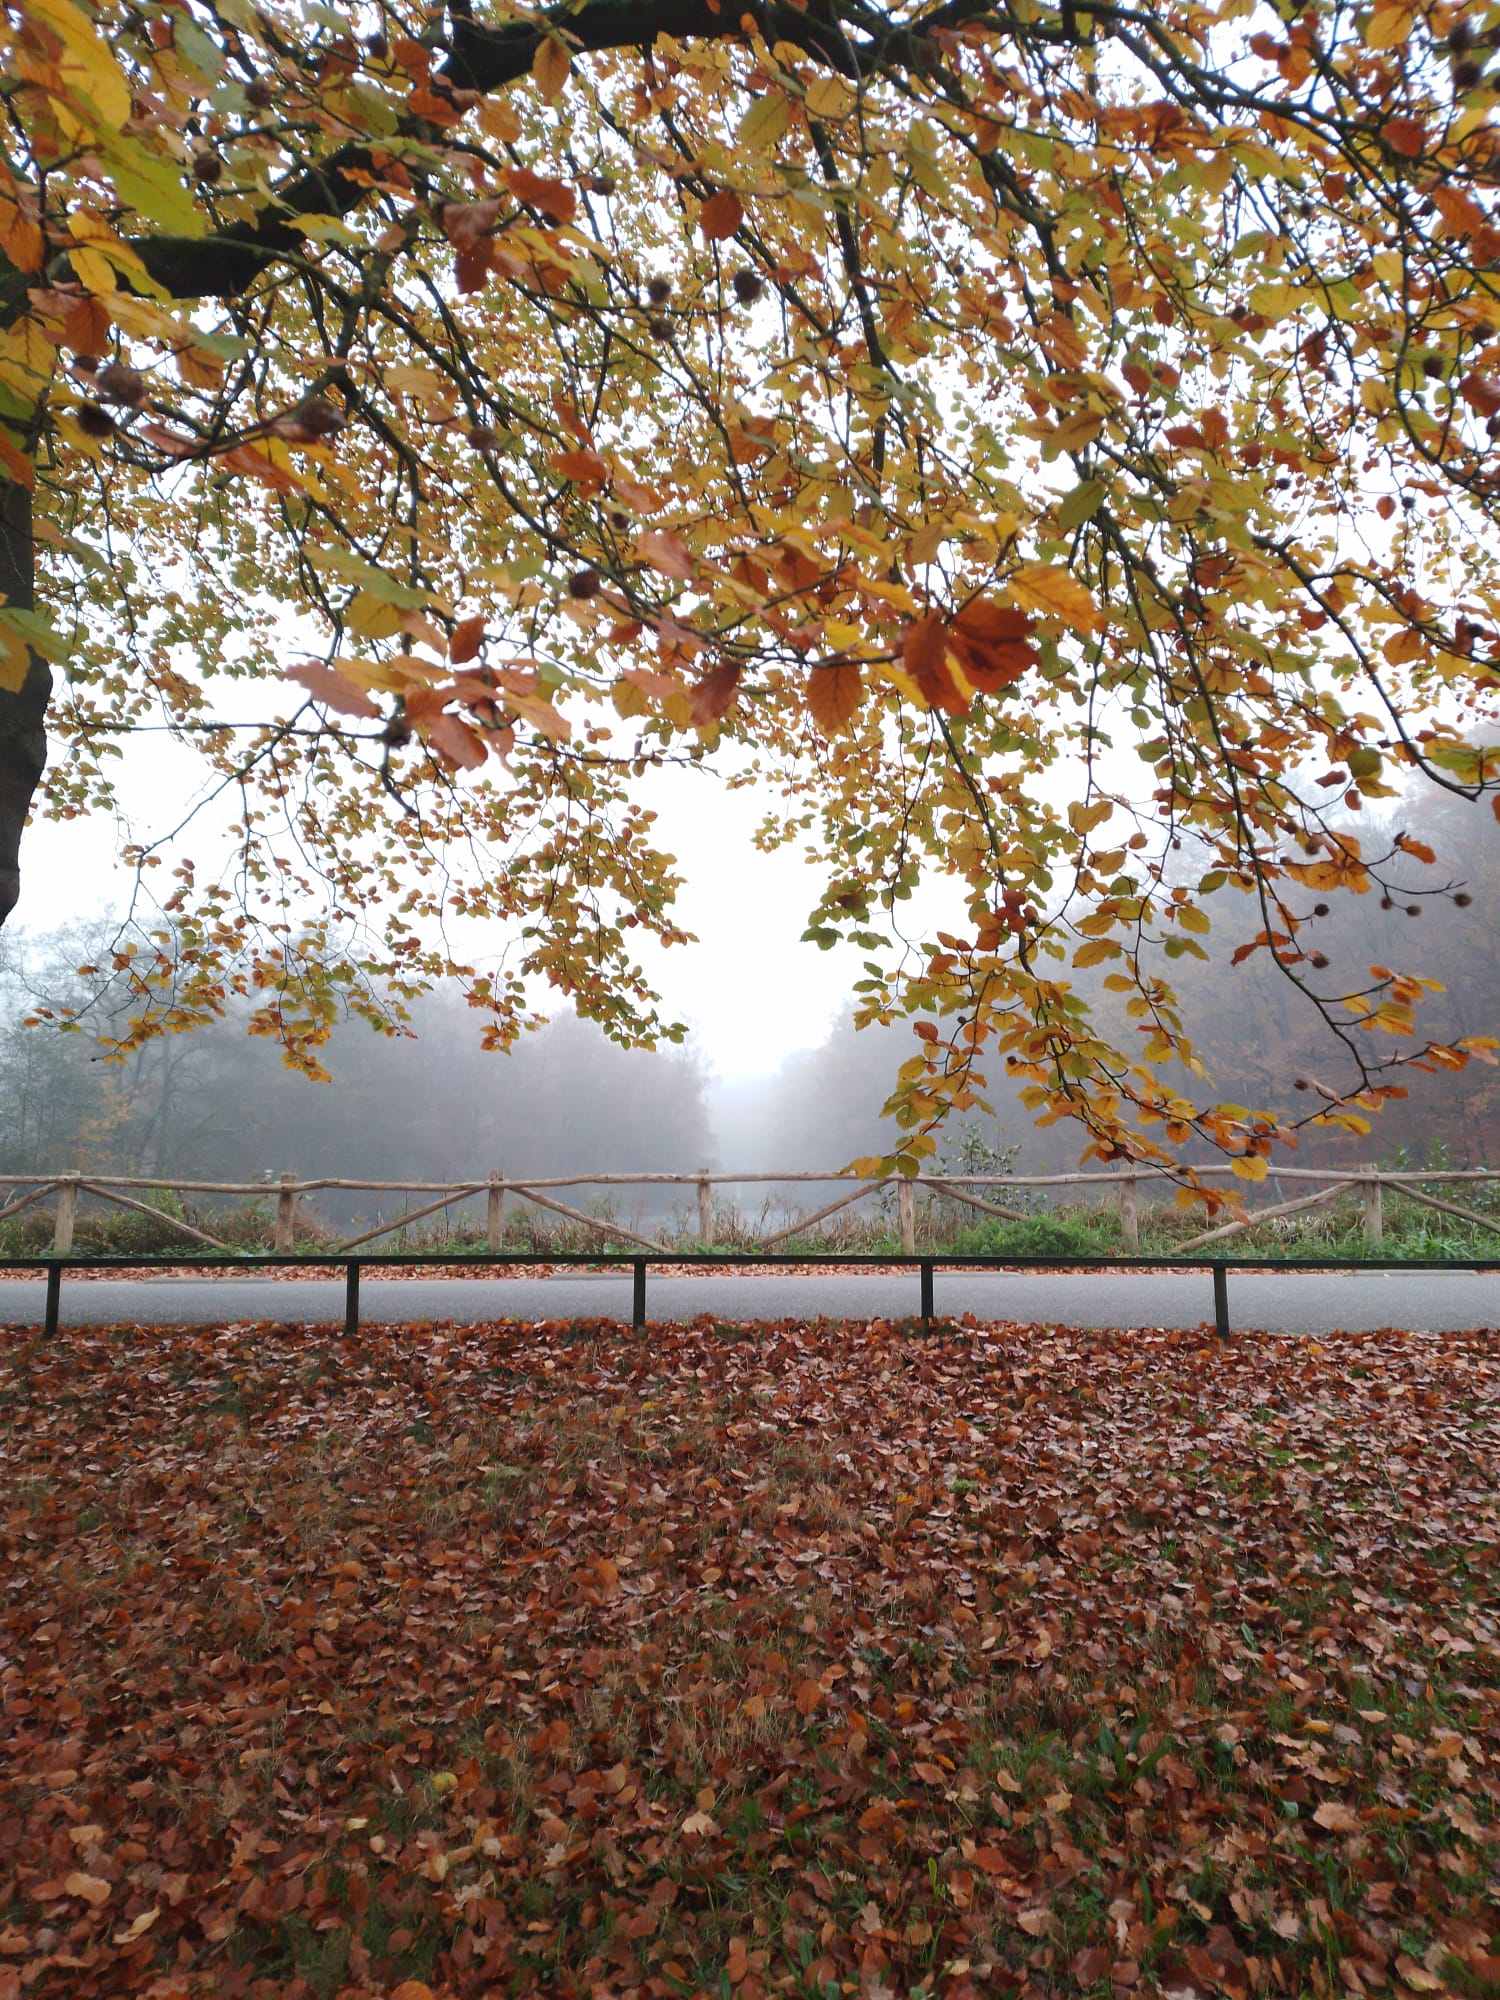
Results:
<point x="23" y="713"/>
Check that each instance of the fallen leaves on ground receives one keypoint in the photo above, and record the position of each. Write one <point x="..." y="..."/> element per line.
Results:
<point x="815" y="1660"/>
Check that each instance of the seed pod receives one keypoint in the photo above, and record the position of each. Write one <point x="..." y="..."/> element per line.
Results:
<point x="659" y="327"/>
<point x="600" y="184"/>
<point x="584" y="583"/>
<point x="659" y="291"/>
<point x="317" y="417"/>
<point x="748" y="286"/>
<point x="376" y="47"/>
<point x="259" y="94"/>
<point x="483" y="437"/>
<point x="208" y="168"/>
<point x="1462" y="898"/>
<point x="95" y="422"/>
<point x="118" y="382"/>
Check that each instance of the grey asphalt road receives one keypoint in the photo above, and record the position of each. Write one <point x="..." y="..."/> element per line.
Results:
<point x="1294" y="1302"/>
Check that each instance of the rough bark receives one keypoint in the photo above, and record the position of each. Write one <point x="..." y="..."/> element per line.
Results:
<point x="23" y="714"/>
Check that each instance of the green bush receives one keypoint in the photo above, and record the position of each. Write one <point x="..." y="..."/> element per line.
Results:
<point x="1038" y="1236"/>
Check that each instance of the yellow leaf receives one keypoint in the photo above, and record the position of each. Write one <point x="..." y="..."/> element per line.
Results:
<point x="828" y="97"/>
<point x="1191" y="918"/>
<point x="1389" y="25"/>
<point x="550" y="67"/>
<point x="1095" y="952"/>
<point x="15" y="658"/>
<point x="1052" y="592"/>
<point x="764" y="123"/>
<point x="1250" y="1167"/>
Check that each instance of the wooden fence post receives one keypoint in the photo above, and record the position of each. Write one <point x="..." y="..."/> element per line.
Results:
<point x="493" y="1205"/>
<point x="705" y="1211"/>
<point x="1130" y="1218"/>
<point x="67" y="1213"/>
<point x="286" y="1215"/>
<point x="906" y="1215"/>
<point x="1374" y="1216"/>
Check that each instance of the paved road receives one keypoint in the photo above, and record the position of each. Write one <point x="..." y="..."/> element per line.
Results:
<point x="1298" y="1302"/>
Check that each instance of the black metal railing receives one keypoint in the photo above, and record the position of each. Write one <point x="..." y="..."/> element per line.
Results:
<point x="639" y="1265"/>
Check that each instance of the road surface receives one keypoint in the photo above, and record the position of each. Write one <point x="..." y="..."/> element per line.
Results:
<point x="1291" y="1302"/>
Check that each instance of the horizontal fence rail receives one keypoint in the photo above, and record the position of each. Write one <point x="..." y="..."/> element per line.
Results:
<point x="639" y="1265"/>
<point x="541" y="1191"/>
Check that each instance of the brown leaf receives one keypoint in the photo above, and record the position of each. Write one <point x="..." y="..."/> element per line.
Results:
<point x="554" y="198"/>
<point x="834" y="694"/>
<point x="468" y="637"/>
<point x="721" y="215"/>
<point x="714" y="696"/>
<point x="925" y="654"/>
<point x="993" y="644"/>
<point x="334" y="689"/>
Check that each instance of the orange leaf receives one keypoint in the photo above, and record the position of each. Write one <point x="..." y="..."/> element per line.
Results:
<point x="585" y="468"/>
<point x="550" y="66"/>
<point x="468" y="637"/>
<point x="668" y="553"/>
<point x="455" y="742"/>
<point x="809" y="1697"/>
<point x="335" y="690"/>
<point x="834" y="693"/>
<point x="925" y="652"/>
<point x="17" y="465"/>
<point x="714" y="695"/>
<point x="554" y="198"/>
<point x="993" y="644"/>
<point x="720" y="216"/>
<point x="1407" y="136"/>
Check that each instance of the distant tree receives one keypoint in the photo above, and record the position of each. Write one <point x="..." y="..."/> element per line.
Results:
<point x="915" y="398"/>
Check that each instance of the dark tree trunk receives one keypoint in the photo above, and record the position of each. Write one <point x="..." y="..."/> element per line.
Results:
<point x="23" y="714"/>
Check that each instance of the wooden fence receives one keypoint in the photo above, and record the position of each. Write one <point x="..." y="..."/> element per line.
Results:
<point x="64" y="1190"/>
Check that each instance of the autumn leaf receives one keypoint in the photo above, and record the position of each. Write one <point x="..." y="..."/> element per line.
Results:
<point x="550" y="66"/>
<point x="714" y="696"/>
<point x="1336" y="1817"/>
<point x="667" y="552"/>
<point x="584" y="467"/>
<point x="553" y="197"/>
<point x="834" y="694"/>
<point x="721" y="215"/>
<point x="468" y="637"/>
<point x="992" y="643"/>
<point x="1053" y="593"/>
<point x="334" y="689"/>
<point x="455" y="742"/>
<point x="924" y="652"/>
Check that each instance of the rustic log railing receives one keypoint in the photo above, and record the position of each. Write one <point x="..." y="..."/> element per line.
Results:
<point x="27" y="1190"/>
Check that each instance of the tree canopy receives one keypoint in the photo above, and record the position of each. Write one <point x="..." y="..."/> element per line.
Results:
<point x="934" y="413"/>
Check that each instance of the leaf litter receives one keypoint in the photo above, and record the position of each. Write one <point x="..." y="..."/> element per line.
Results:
<point x="809" y="1659"/>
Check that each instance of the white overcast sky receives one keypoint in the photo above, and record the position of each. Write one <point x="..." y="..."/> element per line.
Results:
<point x="751" y="992"/>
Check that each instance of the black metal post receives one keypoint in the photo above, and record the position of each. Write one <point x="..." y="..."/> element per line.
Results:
<point x="926" y="1270"/>
<point x="54" y="1295"/>
<point x="1221" y="1301"/>
<point x="638" y="1302"/>
<point x="351" y="1298"/>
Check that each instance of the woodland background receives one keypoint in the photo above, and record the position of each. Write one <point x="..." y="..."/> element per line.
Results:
<point x="434" y="1105"/>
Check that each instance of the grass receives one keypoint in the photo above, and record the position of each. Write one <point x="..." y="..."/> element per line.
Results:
<point x="504" y="1661"/>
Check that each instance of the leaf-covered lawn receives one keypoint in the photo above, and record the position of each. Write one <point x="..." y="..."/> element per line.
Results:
<point x="815" y="1660"/>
